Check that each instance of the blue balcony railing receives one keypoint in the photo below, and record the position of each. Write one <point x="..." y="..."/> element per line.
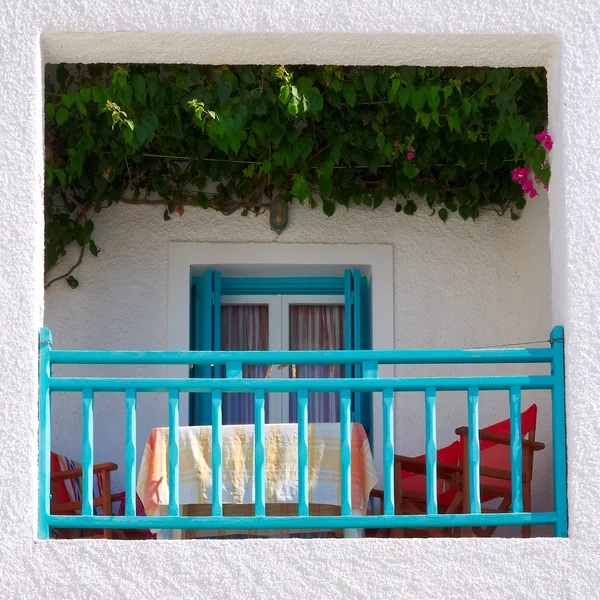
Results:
<point x="370" y="360"/>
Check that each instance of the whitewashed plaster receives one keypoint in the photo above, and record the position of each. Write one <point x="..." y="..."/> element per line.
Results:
<point x="560" y="34"/>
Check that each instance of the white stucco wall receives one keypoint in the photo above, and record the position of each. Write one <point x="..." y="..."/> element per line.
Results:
<point x="557" y="33"/>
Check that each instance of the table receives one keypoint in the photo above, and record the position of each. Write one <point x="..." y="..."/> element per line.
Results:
<point x="281" y="469"/>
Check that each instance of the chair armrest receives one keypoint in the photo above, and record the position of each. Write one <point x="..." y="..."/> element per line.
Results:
<point x="419" y="467"/>
<point x="72" y="473"/>
<point x="500" y="438"/>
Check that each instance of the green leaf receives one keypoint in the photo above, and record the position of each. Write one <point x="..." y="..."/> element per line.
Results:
<point x="474" y="190"/>
<point x="60" y="175"/>
<point x="62" y="114"/>
<point x="85" y="94"/>
<point x="50" y="111"/>
<point x="410" y="170"/>
<point x="284" y="94"/>
<point x="454" y="122"/>
<point x="93" y="248"/>
<point x="305" y="146"/>
<point x="315" y="101"/>
<point x="443" y="214"/>
<point x="417" y="99"/>
<point x="447" y="94"/>
<point x="434" y="98"/>
<point x="370" y="81"/>
<point x="326" y="169"/>
<point x="425" y="119"/>
<point x="73" y="283"/>
<point x="403" y="96"/>
<point x="464" y="210"/>
<point x="67" y="100"/>
<point x="301" y="188"/>
<point x="380" y="140"/>
<point x="224" y="90"/>
<point x="139" y="88"/>
<point x="393" y="90"/>
<point x="410" y="208"/>
<point x="80" y="105"/>
<point x="293" y="106"/>
<point x="329" y="208"/>
<point x="350" y="94"/>
<point x="325" y="187"/>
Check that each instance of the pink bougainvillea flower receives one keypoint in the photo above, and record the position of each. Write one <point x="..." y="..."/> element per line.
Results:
<point x="527" y="185"/>
<point x="548" y="143"/>
<point x="537" y="179"/>
<point x="540" y="137"/>
<point x="533" y="193"/>
<point x="393" y="154"/>
<point x="516" y="175"/>
<point x="412" y="149"/>
<point x="546" y="187"/>
<point x="410" y="156"/>
<point x="396" y="143"/>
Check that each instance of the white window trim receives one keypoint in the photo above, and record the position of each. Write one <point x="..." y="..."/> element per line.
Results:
<point x="376" y="260"/>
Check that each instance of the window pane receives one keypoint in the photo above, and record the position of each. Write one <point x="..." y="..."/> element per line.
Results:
<point x="243" y="327"/>
<point x="317" y="327"/>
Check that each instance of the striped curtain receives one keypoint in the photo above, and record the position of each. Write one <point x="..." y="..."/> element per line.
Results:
<point x="317" y="327"/>
<point x="244" y="327"/>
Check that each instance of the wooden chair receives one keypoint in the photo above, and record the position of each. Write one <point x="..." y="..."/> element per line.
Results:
<point x="65" y="489"/>
<point x="495" y="469"/>
<point x="410" y="495"/>
<point x="453" y="478"/>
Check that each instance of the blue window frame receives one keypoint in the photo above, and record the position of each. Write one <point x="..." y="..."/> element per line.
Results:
<point x="205" y="334"/>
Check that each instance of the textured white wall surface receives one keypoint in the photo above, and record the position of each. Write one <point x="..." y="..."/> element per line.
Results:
<point x="560" y="34"/>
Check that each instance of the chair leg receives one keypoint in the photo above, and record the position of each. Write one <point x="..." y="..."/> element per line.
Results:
<point x="526" y="530"/>
<point x="106" y="500"/>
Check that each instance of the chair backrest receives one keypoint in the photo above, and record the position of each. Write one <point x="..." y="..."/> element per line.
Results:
<point x="69" y="490"/>
<point x="414" y="482"/>
<point x="497" y="456"/>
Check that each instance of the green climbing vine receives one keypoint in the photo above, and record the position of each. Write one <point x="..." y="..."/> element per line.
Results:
<point x="228" y="138"/>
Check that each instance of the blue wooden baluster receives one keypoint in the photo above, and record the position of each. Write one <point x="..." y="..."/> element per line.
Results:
<point x="217" y="453"/>
<point x="516" y="449"/>
<point x="259" y="453"/>
<point x="302" y="453"/>
<point x="346" y="451"/>
<point x="173" y="453"/>
<point x="87" y="453"/>
<point x="44" y="435"/>
<point x="431" y="451"/>
<point x="559" y="435"/>
<point x="130" y="451"/>
<point x="388" y="451"/>
<point x="474" y="483"/>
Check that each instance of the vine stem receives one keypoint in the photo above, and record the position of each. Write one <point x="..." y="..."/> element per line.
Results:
<point x="68" y="273"/>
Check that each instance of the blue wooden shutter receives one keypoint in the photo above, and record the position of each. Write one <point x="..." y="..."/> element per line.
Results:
<point x="357" y="336"/>
<point x="205" y="335"/>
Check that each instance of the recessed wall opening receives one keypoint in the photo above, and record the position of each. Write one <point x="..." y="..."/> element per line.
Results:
<point x="162" y="271"/>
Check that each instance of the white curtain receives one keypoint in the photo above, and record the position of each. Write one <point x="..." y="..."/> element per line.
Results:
<point x="317" y="327"/>
<point x="311" y="327"/>
<point x="243" y="327"/>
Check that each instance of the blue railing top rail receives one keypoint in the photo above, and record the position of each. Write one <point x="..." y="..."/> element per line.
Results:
<point x="408" y="384"/>
<point x="321" y="357"/>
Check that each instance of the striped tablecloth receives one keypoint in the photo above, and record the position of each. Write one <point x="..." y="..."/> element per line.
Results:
<point x="281" y="463"/>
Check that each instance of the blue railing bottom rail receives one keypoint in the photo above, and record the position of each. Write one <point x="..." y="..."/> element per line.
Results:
<point x="346" y="387"/>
